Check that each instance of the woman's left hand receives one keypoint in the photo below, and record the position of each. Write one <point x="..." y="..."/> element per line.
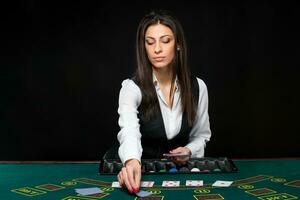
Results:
<point x="181" y="159"/>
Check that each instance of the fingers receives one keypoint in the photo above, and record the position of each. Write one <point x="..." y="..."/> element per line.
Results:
<point x="120" y="178"/>
<point x="177" y="150"/>
<point x="134" y="174"/>
<point x="130" y="177"/>
<point x="137" y="178"/>
<point x="131" y="174"/>
<point x="181" y="150"/>
<point x="126" y="180"/>
<point x="181" y="160"/>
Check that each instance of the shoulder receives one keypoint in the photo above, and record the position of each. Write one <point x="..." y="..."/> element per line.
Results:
<point x="202" y="85"/>
<point x="130" y="90"/>
<point x="130" y="84"/>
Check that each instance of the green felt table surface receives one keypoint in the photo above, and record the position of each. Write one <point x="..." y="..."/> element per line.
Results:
<point x="256" y="179"/>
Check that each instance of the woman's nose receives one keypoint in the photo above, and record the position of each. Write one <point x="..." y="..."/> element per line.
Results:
<point x="157" y="48"/>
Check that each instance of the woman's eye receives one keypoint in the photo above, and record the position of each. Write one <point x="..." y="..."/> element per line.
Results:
<point x="149" y="42"/>
<point x="166" y="40"/>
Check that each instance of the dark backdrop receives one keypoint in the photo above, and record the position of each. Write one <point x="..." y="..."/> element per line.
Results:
<point x="62" y="65"/>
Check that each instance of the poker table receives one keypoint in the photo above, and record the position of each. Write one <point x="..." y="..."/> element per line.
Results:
<point x="266" y="179"/>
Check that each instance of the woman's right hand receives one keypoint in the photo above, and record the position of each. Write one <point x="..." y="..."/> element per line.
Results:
<point x="130" y="175"/>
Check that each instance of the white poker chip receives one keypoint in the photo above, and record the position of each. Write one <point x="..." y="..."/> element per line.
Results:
<point x="195" y="170"/>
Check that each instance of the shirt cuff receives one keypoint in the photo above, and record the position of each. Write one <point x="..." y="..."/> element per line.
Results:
<point x="197" y="149"/>
<point x="129" y="154"/>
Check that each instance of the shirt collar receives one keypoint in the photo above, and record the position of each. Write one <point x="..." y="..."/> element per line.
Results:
<point x="156" y="83"/>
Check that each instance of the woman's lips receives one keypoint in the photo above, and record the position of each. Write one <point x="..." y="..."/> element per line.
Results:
<point x="158" y="59"/>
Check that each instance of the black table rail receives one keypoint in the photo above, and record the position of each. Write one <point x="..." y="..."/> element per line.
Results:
<point x="165" y="166"/>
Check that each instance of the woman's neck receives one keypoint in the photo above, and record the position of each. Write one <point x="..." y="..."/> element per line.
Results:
<point x="163" y="75"/>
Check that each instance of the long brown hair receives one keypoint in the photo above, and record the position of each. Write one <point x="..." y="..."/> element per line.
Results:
<point x="143" y="74"/>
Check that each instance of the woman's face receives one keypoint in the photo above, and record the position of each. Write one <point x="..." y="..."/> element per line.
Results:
<point x="160" y="45"/>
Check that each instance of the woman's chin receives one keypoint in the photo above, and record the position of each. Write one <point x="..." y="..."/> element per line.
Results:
<point x="160" y="65"/>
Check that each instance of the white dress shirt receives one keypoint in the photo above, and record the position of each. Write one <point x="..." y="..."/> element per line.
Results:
<point x="129" y="136"/>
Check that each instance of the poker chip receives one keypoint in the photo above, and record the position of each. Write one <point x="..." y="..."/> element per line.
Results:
<point x="184" y="169"/>
<point x="173" y="170"/>
<point x="217" y="170"/>
<point x="195" y="170"/>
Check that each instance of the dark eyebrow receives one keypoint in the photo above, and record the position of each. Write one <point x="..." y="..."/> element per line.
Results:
<point x="150" y="38"/>
<point x="165" y="36"/>
<point x="160" y="36"/>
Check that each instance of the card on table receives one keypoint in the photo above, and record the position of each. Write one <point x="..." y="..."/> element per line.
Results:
<point x="50" y="187"/>
<point x="88" y="191"/>
<point x="222" y="183"/>
<point x="147" y="183"/>
<point x="195" y="183"/>
<point x="116" y="184"/>
<point x="171" y="183"/>
<point x="209" y="196"/>
<point x="143" y="193"/>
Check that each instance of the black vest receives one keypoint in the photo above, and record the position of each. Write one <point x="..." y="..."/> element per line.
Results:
<point x="154" y="139"/>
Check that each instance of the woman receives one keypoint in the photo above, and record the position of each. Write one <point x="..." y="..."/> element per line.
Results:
<point x="162" y="109"/>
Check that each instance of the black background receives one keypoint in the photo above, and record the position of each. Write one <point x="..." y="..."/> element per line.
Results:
<point x="62" y="64"/>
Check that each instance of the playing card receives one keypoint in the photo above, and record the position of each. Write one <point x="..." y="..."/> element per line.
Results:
<point x="147" y="183"/>
<point x="176" y="154"/>
<point x="88" y="191"/>
<point x="50" y="187"/>
<point x="142" y="193"/>
<point x="195" y="183"/>
<point x="115" y="184"/>
<point x="171" y="183"/>
<point x="222" y="183"/>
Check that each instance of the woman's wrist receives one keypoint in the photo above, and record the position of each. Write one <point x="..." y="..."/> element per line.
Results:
<point x="132" y="161"/>
<point x="188" y="150"/>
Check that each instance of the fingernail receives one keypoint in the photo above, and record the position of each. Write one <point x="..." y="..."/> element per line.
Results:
<point x="130" y="191"/>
